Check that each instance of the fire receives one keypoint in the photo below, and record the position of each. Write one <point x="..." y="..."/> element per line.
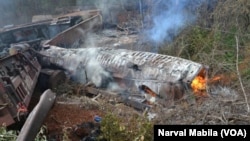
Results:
<point x="198" y="85"/>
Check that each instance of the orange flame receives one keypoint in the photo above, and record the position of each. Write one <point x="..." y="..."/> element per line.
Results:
<point x="198" y="85"/>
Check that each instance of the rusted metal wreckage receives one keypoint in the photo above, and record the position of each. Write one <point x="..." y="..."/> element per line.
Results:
<point x="20" y="69"/>
<point x="40" y="47"/>
<point x="19" y="74"/>
<point x="155" y="74"/>
<point x="162" y="76"/>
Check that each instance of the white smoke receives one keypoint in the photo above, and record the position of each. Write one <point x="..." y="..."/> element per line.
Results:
<point x="91" y="70"/>
<point x="170" y="17"/>
<point x="107" y="8"/>
<point x="225" y="93"/>
<point x="95" y="72"/>
<point x="7" y="9"/>
<point x="87" y="69"/>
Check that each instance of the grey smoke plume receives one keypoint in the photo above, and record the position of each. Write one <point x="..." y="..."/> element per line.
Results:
<point x="170" y="17"/>
<point x="93" y="70"/>
<point x="225" y="93"/>
<point x="7" y="12"/>
<point x="107" y="8"/>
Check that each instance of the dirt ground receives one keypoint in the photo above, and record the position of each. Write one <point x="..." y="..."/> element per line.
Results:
<point x="64" y="118"/>
<point x="73" y="108"/>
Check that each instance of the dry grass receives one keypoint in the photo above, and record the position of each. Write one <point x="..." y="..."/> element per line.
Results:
<point x="212" y="42"/>
<point x="220" y="108"/>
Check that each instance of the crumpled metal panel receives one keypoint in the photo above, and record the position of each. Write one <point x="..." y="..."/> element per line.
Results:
<point x="76" y="32"/>
<point x="18" y="77"/>
<point x="134" y="68"/>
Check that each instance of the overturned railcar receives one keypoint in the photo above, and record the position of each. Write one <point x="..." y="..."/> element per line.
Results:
<point x="19" y="66"/>
<point x="18" y="77"/>
<point x="131" y="70"/>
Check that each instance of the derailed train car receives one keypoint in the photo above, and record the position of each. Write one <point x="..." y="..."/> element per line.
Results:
<point x="155" y="74"/>
<point x="20" y="68"/>
<point x="19" y="75"/>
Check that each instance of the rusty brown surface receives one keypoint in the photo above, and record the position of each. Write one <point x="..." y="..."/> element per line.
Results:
<point x="63" y="119"/>
<point x="20" y="68"/>
<point x="85" y="13"/>
<point x="19" y="75"/>
<point x="73" y="34"/>
<point x="5" y="116"/>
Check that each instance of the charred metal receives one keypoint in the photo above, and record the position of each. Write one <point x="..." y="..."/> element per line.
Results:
<point x="45" y="49"/>
<point x="155" y="74"/>
<point x="20" y="68"/>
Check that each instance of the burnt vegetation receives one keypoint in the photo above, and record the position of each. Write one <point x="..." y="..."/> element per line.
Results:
<point x="218" y="37"/>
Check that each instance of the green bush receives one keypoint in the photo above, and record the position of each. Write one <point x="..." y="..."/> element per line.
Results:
<point x="11" y="135"/>
<point x="7" y="135"/>
<point x="134" y="128"/>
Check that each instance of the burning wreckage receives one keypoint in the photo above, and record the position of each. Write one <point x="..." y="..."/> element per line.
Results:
<point x="138" y="78"/>
<point x="157" y="76"/>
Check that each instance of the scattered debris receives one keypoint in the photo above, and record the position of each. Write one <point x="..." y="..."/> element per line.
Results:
<point x="18" y="77"/>
<point x="107" y="79"/>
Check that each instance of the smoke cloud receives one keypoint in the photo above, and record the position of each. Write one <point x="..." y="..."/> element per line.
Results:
<point x="170" y="17"/>
<point x="95" y="72"/>
<point x="88" y="69"/>
<point x="7" y="14"/>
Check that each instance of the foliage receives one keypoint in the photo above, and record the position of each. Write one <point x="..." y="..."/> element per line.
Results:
<point x="65" y="134"/>
<point x="7" y="135"/>
<point x="233" y="13"/>
<point x="41" y="135"/>
<point x="209" y="47"/>
<point x="11" y="135"/>
<point x="212" y="40"/>
<point x="134" y="128"/>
